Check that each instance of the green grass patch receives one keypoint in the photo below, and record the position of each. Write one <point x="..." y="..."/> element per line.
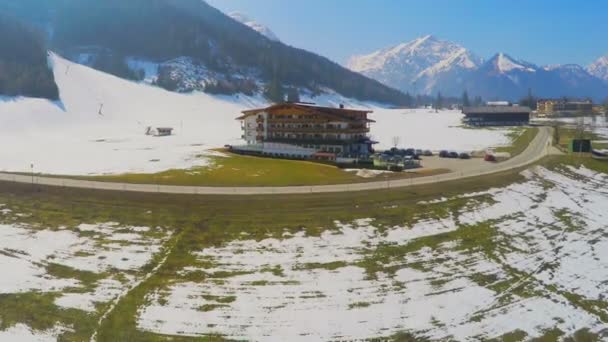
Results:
<point x="212" y="221"/>
<point x="358" y="305"/>
<point x="38" y="311"/>
<point x="239" y="170"/>
<point x="521" y="138"/>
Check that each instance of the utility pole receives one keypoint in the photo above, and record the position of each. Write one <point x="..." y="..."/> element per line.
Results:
<point x="32" y="168"/>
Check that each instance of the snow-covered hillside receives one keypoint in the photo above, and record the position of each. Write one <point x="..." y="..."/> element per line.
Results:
<point x="504" y="63"/>
<point x="416" y="66"/>
<point x="264" y="30"/>
<point x="599" y="68"/>
<point x="98" y="126"/>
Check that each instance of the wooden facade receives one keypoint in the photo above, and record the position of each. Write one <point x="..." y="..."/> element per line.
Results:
<point x="341" y="131"/>
<point x="497" y="115"/>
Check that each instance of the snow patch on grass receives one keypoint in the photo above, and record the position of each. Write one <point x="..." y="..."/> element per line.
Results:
<point x="531" y="258"/>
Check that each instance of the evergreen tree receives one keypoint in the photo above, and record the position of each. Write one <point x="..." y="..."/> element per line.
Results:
<point x="293" y="95"/>
<point x="439" y="101"/>
<point x="23" y="62"/>
<point x="465" y="99"/>
<point x="529" y="101"/>
<point x="274" y="91"/>
<point x="478" y="101"/>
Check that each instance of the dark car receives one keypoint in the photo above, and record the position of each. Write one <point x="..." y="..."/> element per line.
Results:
<point x="464" y="156"/>
<point x="453" y="155"/>
<point x="444" y="154"/>
<point x="418" y="152"/>
<point x="410" y="152"/>
<point x="427" y="153"/>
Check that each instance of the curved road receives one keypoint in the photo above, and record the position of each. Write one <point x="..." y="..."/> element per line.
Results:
<point x="539" y="148"/>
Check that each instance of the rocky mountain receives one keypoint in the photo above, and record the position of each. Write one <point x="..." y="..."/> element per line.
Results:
<point x="264" y="30"/>
<point x="599" y="68"/>
<point x="429" y="65"/>
<point x="418" y="66"/>
<point x="186" y="45"/>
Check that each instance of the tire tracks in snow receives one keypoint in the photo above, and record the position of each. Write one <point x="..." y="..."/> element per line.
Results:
<point x="173" y="243"/>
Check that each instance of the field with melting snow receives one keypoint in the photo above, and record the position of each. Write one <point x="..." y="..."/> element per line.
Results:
<point x="79" y="271"/>
<point x="523" y="260"/>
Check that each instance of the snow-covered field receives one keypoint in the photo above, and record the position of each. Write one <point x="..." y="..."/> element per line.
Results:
<point x="426" y="129"/>
<point x="528" y="257"/>
<point x="98" y="126"/>
<point x="34" y="259"/>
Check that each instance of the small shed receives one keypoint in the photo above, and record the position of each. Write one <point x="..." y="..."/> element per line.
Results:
<point x="580" y="146"/>
<point x="164" y="131"/>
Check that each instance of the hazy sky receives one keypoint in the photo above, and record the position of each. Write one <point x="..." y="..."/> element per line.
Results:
<point x="539" y="31"/>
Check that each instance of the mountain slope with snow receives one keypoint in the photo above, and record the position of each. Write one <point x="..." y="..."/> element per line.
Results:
<point x="98" y="126"/>
<point x="599" y="68"/>
<point x="264" y="30"/>
<point x="417" y="66"/>
<point x="428" y="65"/>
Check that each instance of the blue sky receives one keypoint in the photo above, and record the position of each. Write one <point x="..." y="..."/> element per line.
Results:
<point x="539" y="31"/>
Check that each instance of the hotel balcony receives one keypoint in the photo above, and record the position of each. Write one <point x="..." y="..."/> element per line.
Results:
<point x="319" y="130"/>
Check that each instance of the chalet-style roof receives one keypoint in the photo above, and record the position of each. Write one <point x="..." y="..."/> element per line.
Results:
<point x="497" y="110"/>
<point x="332" y="112"/>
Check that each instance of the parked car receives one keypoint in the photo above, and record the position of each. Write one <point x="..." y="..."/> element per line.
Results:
<point x="418" y="152"/>
<point x="444" y="154"/>
<point x="464" y="155"/>
<point x="453" y="155"/>
<point x="410" y="152"/>
<point x="489" y="158"/>
<point x="427" y="153"/>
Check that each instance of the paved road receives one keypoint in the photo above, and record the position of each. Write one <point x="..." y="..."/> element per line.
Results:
<point x="540" y="147"/>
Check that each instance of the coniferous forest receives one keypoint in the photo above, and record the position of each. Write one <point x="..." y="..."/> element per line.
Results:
<point x="166" y="29"/>
<point x="23" y="62"/>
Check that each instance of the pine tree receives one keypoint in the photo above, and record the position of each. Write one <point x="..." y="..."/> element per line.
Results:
<point x="529" y="101"/>
<point x="293" y="95"/>
<point x="478" y="101"/>
<point x="274" y="91"/>
<point x="439" y="101"/>
<point x="465" y="99"/>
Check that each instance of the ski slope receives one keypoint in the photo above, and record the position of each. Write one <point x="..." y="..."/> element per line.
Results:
<point x="98" y="126"/>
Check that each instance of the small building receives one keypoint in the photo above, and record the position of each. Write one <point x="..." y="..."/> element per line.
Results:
<point x="563" y="107"/>
<point x="159" y="131"/>
<point x="498" y="103"/>
<point x="497" y="115"/>
<point x="580" y="146"/>
<point x="164" y="131"/>
<point x="335" y="132"/>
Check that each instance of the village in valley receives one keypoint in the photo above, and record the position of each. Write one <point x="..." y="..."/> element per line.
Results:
<point x="172" y="170"/>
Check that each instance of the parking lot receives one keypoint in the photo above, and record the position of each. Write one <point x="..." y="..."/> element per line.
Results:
<point x="456" y="165"/>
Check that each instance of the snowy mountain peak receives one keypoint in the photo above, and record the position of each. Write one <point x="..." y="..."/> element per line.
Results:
<point x="504" y="63"/>
<point x="422" y="61"/>
<point x="264" y="30"/>
<point x="599" y="68"/>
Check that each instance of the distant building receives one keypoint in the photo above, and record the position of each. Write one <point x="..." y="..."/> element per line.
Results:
<point x="497" y="115"/>
<point x="557" y="107"/>
<point x="159" y="131"/>
<point x="313" y="131"/>
<point x="164" y="131"/>
<point x="498" y="103"/>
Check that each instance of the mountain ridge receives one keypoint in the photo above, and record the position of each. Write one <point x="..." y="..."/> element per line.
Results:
<point x="241" y="60"/>
<point x="427" y="65"/>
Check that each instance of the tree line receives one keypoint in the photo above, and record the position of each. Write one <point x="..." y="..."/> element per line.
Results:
<point x="166" y="29"/>
<point x="24" y="68"/>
